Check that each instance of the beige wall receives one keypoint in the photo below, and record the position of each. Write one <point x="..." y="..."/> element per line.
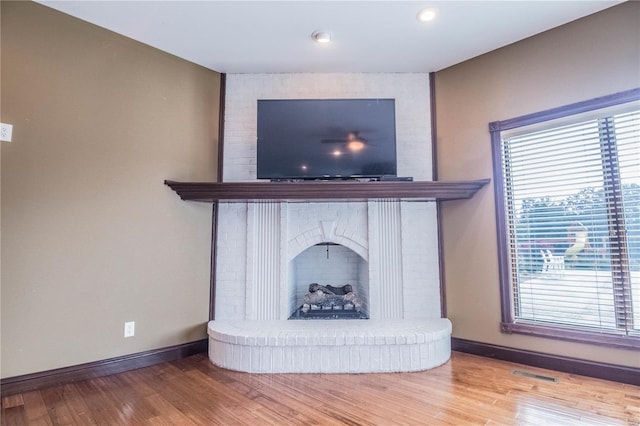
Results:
<point x="91" y="237"/>
<point x="591" y="57"/>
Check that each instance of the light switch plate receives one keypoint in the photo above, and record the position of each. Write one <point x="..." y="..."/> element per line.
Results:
<point x="129" y="329"/>
<point x="5" y="132"/>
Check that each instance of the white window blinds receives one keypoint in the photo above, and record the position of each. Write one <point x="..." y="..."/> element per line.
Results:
<point x="571" y="197"/>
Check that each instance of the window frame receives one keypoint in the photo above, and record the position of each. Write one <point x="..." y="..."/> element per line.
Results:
<point x="509" y="324"/>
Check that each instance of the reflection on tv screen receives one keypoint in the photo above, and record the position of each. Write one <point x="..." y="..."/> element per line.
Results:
<point x="326" y="138"/>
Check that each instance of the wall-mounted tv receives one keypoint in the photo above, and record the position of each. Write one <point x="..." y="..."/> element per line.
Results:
<point x="326" y="138"/>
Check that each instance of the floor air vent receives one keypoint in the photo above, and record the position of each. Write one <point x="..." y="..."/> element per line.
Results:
<point x="535" y="376"/>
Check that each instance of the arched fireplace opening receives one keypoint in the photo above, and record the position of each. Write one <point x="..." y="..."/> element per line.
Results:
<point x="328" y="281"/>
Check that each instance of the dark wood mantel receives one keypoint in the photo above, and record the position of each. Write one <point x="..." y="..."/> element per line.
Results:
<point x="326" y="190"/>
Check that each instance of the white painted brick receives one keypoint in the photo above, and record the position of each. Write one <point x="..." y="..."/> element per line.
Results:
<point x="369" y="355"/>
<point x="411" y="92"/>
<point x="300" y="223"/>
<point x="254" y="359"/>
<point x="315" y="356"/>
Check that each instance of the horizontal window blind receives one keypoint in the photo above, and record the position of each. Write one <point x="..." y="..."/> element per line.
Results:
<point x="572" y="212"/>
<point x="627" y="133"/>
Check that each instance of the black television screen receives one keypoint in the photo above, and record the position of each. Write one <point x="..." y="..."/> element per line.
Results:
<point x="326" y="138"/>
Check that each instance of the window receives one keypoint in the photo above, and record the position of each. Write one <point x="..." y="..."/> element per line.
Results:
<point x="567" y="187"/>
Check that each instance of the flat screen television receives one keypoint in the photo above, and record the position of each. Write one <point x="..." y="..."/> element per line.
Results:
<point x="326" y="138"/>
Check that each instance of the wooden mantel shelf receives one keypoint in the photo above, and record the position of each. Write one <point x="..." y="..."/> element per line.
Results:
<point x="326" y="190"/>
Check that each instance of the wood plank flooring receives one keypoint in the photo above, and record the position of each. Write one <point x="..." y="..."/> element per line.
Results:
<point x="468" y="390"/>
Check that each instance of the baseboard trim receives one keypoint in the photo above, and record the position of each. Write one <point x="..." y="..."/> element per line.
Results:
<point x="582" y="367"/>
<point x="91" y="370"/>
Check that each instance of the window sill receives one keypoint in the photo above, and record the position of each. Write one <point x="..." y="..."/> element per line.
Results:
<point x="611" y="339"/>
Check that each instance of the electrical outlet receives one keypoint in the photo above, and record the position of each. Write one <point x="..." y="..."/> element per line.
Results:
<point x="5" y="132"/>
<point x="129" y="329"/>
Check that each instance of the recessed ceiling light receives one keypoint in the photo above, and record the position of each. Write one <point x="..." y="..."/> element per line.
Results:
<point x="321" y="36"/>
<point x="426" y="15"/>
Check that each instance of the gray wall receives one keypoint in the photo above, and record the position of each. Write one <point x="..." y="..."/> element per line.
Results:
<point x="91" y="237"/>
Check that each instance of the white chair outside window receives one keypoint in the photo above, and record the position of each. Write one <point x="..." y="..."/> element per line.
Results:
<point x="555" y="262"/>
<point x="551" y="262"/>
<point x="545" y="261"/>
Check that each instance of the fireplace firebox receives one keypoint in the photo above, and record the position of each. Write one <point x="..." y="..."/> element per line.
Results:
<point x="329" y="302"/>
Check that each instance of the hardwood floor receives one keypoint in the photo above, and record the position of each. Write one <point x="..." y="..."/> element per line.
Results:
<point x="468" y="390"/>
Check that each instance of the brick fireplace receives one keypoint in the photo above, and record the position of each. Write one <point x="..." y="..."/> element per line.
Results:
<point x="384" y="243"/>
<point x="258" y="243"/>
<point x="392" y="244"/>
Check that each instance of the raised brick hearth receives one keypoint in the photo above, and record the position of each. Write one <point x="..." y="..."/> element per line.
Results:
<point x="341" y="346"/>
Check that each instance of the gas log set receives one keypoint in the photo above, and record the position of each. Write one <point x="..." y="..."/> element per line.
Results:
<point x="329" y="302"/>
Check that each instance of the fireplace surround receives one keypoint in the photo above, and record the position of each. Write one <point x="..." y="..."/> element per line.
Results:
<point x="258" y="242"/>
<point x="394" y="340"/>
<point x="391" y="226"/>
<point x="256" y="290"/>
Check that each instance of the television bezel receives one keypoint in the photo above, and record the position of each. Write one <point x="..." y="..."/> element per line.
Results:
<point x="326" y="176"/>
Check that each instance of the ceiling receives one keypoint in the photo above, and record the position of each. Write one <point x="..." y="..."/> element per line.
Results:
<point x="367" y="36"/>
